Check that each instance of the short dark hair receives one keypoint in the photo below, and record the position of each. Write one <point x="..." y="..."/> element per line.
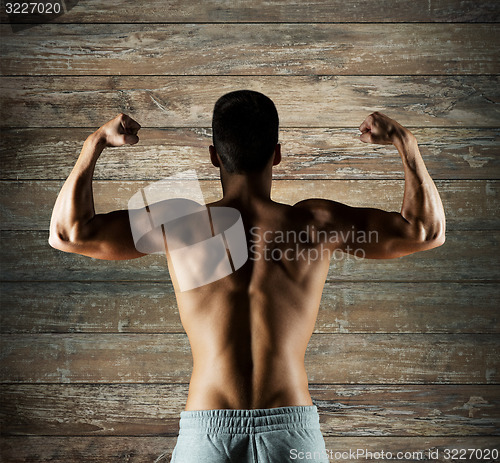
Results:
<point x="245" y="130"/>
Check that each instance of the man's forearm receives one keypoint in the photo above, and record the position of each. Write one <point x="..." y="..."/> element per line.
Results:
<point x="422" y="206"/>
<point x="74" y="206"/>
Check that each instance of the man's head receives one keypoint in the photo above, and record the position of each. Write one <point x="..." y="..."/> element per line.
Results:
<point x="245" y="131"/>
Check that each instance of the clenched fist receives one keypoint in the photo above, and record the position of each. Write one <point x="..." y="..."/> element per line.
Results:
<point x="119" y="131"/>
<point x="382" y="130"/>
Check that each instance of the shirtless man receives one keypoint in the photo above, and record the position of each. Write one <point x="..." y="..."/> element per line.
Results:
<point x="248" y="395"/>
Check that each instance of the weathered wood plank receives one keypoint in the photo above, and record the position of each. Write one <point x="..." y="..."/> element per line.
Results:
<point x="91" y="409"/>
<point x="415" y="407"/>
<point x="22" y="449"/>
<point x="27" y="205"/>
<point x="467" y="255"/>
<point x="89" y="307"/>
<point x="30" y="154"/>
<point x="345" y="358"/>
<point x="251" y="49"/>
<point x="348" y="411"/>
<point x="96" y="358"/>
<point x="332" y="358"/>
<point x="409" y="308"/>
<point x="343" y="101"/>
<point x="115" y="307"/>
<point x="275" y="11"/>
<point x="116" y="449"/>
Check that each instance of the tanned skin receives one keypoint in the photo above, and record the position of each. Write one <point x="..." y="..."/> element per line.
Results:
<point x="249" y="331"/>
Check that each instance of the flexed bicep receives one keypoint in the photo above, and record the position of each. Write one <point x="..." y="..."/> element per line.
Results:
<point x="74" y="225"/>
<point x="374" y="233"/>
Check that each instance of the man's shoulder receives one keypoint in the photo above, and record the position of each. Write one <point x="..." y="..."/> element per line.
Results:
<point x="312" y="204"/>
<point x="323" y="211"/>
<point x="315" y="205"/>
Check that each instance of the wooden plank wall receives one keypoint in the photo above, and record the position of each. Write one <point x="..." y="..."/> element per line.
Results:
<point x="405" y="355"/>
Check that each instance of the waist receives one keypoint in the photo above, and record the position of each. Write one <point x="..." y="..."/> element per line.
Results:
<point x="249" y="421"/>
<point x="273" y="385"/>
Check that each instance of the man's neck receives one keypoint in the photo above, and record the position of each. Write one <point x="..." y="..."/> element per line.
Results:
<point x="246" y="188"/>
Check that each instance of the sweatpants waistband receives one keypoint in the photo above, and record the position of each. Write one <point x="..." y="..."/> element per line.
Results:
<point x="249" y="421"/>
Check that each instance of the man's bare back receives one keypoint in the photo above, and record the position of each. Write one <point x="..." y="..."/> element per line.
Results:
<point x="249" y="330"/>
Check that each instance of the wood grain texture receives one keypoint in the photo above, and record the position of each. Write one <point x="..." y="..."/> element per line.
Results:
<point x="117" y="307"/>
<point x="466" y="256"/>
<point x="347" y="411"/>
<point x="277" y="11"/>
<point x="333" y="358"/>
<point x="145" y="449"/>
<point x="314" y="153"/>
<point x="418" y="408"/>
<point x="251" y="49"/>
<point x="314" y="101"/>
<point x="469" y="205"/>
<point x="405" y="353"/>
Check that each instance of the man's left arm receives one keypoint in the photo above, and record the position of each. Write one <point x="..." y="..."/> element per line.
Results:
<point x="74" y="226"/>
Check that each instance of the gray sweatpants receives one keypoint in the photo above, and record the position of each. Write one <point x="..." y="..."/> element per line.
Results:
<point x="272" y="435"/>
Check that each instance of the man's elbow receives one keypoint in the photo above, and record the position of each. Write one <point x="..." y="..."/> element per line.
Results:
<point x="58" y="241"/>
<point x="435" y="236"/>
<point x="422" y="236"/>
<point x="63" y="240"/>
<point x="52" y="241"/>
<point x="436" y="240"/>
<point x="68" y="231"/>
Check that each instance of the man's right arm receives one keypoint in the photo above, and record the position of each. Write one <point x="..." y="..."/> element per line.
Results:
<point x="74" y="225"/>
<point x="379" y="234"/>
